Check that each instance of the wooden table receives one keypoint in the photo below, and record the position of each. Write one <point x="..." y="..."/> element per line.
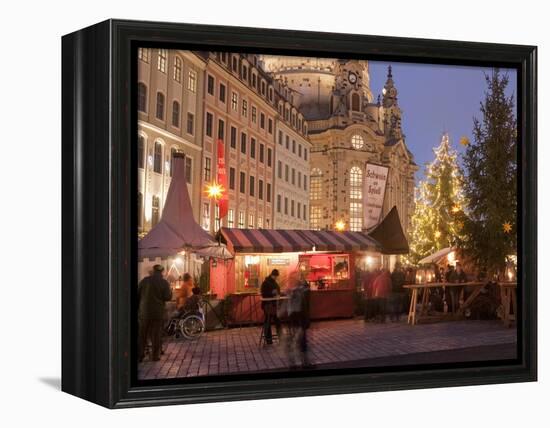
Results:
<point x="425" y="289"/>
<point x="509" y="301"/>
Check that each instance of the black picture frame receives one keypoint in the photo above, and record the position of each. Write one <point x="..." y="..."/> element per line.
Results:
<point x="98" y="223"/>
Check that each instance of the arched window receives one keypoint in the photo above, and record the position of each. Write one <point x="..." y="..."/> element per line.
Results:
<point x="177" y="69"/>
<point x="357" y="142"/>
<point x="161" y="63"/>
<point x="141" y="151"/>
<point x="142" y="97"/>
<point x="157" y="164"/>
<point x="155" y="210"/>
<point x="355" y="197"/>
<point x="355" y="102"/>
<point x="176" y="114"/>
<point x="160" y="106"/>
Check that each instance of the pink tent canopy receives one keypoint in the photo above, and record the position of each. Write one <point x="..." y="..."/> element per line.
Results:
<point x="177" y="230"/>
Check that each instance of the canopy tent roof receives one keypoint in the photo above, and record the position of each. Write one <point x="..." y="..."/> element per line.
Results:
<point x="177" y="230"/>
<point x="389" y="234"/>
<point x="281" y="240"/>
<point x="436" y="257"/>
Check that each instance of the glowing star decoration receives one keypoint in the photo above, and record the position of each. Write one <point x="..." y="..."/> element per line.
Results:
<point x="464" y="141"/>
<point x="507" y="227"/>
<point x="437" y="234"/>
<point x="214" y="191"/>
<point x="455" y="209"/>
<point x="340" y="225"/>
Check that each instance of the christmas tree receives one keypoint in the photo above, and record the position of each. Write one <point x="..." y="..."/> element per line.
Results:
<point x="438" y="219"/>
<point x="490" y="164"/>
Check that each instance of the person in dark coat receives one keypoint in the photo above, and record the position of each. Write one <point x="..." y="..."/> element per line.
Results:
<point x="399" y="295"/>
<point x="269" y="289"/>
<point x="153" y="292"/>
<point x="299" y="321"/>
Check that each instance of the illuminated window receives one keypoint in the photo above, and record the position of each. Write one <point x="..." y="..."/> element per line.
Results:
<point x="316" y="185"/>
<point x="245" y="108"/>
<point x="155" y="210"/>
<point x="207" y="169"/>
<point x="357" y="142"/>
<point x="192" y="81"/>
<point x="241" y="219"/>
<point x="355" y="196"/>
<point x="251" y="221"/>
<point x="260" y="222"/>
<point x="161" y="62"/>
<point x="206" y="216"/>
<point x="216" y="217"/>
<point x="234" y="101"/>
<point x="177" y="69"/>
<point x="315" y="217"/>
<point x="230" y="218"/>
<point x="143" y="54"/>
<point x="355" y="183"/>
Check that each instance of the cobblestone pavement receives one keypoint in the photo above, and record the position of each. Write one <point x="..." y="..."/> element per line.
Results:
<point x="330" y="342"/>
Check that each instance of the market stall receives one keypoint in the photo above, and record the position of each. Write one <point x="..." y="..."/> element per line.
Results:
<point x="327" y="259"/>
<point x="177" y="242"/>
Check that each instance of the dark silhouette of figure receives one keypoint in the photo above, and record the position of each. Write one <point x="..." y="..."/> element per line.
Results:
<point x="153" y="292"/>
<point x="269" y="289"/>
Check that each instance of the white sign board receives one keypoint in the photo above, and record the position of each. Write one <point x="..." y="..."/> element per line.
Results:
<point x="373" y="194"/>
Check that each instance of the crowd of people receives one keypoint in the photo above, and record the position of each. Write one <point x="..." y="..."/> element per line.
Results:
<point x="383" y="294"/>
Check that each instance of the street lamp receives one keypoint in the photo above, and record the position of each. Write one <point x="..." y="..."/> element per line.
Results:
<point x="340" y="225"/>
<point x="214" y="191"/>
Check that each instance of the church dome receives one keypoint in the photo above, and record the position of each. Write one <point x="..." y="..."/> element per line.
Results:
<point x="278" y="64"/>
<point x="312" y="80"/>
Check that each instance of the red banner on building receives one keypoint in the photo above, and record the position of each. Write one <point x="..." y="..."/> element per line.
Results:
<point x="223" y="202"/>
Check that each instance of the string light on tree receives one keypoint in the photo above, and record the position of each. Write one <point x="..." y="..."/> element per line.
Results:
<point x="438" y="218"/>
<point x="507" y="227"/>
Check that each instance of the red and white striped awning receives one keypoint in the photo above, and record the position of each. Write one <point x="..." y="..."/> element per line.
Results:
<point x="281" y="240"/>
<point x="327" y="240"/>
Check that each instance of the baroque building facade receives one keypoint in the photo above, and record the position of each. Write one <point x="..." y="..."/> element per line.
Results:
<point x="347" y="129"/>
<point x="292" y="148"/>
<point x="239" y="109"/>
<point x="170" y="106"/>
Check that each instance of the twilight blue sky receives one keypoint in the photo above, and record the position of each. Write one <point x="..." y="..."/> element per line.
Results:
<point x="433" y="99"/>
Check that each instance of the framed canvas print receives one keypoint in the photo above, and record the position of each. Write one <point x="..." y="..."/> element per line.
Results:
<point x="253" y="213"/>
